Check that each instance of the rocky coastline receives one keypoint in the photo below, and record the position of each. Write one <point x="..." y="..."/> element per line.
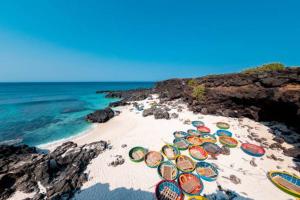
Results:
<point x="262" y="96"/>
<point x="60" y="172"/>
<point x="265" y="96"/>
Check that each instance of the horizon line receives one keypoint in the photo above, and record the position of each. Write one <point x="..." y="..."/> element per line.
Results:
<point x="79" y="81"/>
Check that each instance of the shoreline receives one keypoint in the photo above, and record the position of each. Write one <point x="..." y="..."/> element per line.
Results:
<point x="78" y="138"/>
<point x="53" y="144"/>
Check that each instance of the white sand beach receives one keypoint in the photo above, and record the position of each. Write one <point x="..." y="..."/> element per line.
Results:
<point x="137" y="181"/>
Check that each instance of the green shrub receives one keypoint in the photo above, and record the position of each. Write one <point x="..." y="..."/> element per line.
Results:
<point x="265" y="68"/>
<point x="192" y="83"/>
<point x="199" y="92"/>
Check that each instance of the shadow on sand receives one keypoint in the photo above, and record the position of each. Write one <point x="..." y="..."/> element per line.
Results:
<point x="226" y="195"/>
<point x="103" y="192"/>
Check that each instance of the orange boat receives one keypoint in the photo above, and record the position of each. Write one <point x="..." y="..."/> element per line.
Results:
<point x="190" y="183"/>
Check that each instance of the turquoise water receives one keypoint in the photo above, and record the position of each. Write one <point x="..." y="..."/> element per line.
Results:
<point x="39" y="113"/>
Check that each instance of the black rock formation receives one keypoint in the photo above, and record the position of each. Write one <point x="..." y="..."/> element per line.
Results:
<point x="61" y="172"/>
<point x="100" y="116"/>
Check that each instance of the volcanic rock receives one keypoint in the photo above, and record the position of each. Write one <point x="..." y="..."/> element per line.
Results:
<point x="100" y="116"/>
<point x="61" y="172"/>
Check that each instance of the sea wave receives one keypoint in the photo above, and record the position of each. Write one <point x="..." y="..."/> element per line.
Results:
<point x="12" y="142"/>
<point x="34" y="102"/>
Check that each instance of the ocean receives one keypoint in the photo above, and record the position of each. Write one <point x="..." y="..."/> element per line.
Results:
<point x="39" y="113"/>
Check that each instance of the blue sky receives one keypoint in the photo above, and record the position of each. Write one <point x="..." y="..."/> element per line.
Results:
<point x="143" y="40"/>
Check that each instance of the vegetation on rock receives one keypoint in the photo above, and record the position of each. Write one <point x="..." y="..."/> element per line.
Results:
<point x="192" y="83"/>
<point x="199" y="92"/>
<point x="265" y="68"/>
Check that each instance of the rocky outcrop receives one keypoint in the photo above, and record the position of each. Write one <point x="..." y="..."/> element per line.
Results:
<point x="60" y="172"/>
<point x="100" y="116"/>
<point x="118" y="103"/>
<point x="128" y="95"/>
<point x="159" y="113"/>
<point x="263" y="96"/>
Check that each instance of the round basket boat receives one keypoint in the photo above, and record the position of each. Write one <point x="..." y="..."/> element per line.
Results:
<point x="190" y="184"/>
<point x="193" y="132"/>
<point x="194" y="140"/>
<point x="223" y="125"/>
<point x="197" y="123"/>
<point x="206" y="137"/>
<point x="167" y="170"/>
<point x="181" y="143"/>
<point x="198" y="153"/>
<point x="287" y="182"/>
<point x="212" y="148"/>
<point x="207" y="171"/>
<point x="197" y="198"/>
<point x="153" y="159"/>
<point x="180" y="134"/>
<point x="228" y="141"/>
<point x="253" y="150"/>
<point x="170" y="151"/>
<point x="224" y="133"/>
<point x="185" y="163"/>
<point x="203" y="129"/>
<point x="137" y="154"/>
<point x="168" y="190"/>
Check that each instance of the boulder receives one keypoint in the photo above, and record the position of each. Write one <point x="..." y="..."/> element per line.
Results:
<point x="118" y="103"/>
<point x="148" y="112"/>
<point x="292" y="152"/>
<point x="161" y="114"/>
<point x="174" y="115"/>
<point x="100" y="116"/>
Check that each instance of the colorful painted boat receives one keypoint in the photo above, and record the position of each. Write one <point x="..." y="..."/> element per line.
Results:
<point x="287" y="182"/>
<point x="193" y="132"/>
<point x="167" y="170"/>
<point x="190" y="184"/>
<point x="185" y="163"/>
<point x="207" y="171"/>
<point x="194" y="140"/>
<point x="206" y="137"/>
<point x="203" y="129"/>
<point x="253" y="150"/>
<point x="223" y="125"/>
<point x="137" y="154"/>
<point x="197" y="123"/>
<point x="153" y="159"/>
<point x="197" y="198"/>
<point x="168" y="190"/>
<point x="198" y="153"/>
<point x="180" y="134"/>
<point x="223" y="133"/>
<point x="228" y="141"/>
<point x="181" y="143"/>
<point x="212" y="148"/>
<point x="170" y="151"/>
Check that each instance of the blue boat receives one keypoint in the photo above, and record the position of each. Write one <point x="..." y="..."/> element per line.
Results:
<point x="194" y="132"/>
<point x="197" y="123"/>
<point x="180" y="134"/>
<point x="207" y="171"/>
<point x="168" y="190"/>
<point x="222" y="132"/>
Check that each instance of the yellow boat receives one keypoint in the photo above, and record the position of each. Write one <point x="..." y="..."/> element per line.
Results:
<point x="287" y="182"/>
<point x="197" y="198"/>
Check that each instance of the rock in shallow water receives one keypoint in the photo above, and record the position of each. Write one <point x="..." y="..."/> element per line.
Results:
<point x="100" y="116"/>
